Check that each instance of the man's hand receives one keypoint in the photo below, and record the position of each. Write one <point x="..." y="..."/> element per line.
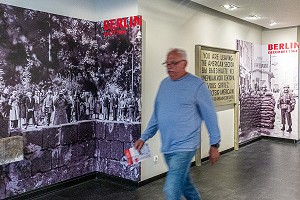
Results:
<point x="139" y="144"/>
<point x="213" y="155"/>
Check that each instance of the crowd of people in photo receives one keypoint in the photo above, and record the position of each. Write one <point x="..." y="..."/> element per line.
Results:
<point x="54" y="107"/>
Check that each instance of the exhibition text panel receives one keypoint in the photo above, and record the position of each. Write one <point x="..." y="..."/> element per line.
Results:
<point x="218" y="71"/>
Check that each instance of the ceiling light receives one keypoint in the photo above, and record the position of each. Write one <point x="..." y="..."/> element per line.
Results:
<point x="272" y="23"/>
<point x="254" y="17"/>
<point x="229" y="7"/>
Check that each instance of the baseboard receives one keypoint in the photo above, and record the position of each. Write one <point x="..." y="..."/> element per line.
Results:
<point x="281" y="139"/>
<point x="152" y="179"/>
<point x="250" y="141"/>
<point x="221" y="153"/>
<point x="117" y="180"/>
<point x="269" y="138"/>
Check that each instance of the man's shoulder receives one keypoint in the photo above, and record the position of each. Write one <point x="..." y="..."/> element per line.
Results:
<point x="196" y="78"/>
<point x="194" y="81"/>
<point x="190" y="79"/>
<point x="166" y="79"/>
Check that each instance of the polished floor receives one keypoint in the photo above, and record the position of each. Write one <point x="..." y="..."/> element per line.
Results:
<point x="264" y="170"/>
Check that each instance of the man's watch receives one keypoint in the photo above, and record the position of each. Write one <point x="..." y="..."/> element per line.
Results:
<point x="215" y="145"/>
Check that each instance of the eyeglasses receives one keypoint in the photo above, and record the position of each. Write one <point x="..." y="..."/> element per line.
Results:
<point x="167" y="64"/>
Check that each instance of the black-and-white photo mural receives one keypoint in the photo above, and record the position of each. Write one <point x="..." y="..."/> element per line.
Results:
<point x="48" y="63"/>
<point x="268" y="90"/>
<point x="72" y="89"/>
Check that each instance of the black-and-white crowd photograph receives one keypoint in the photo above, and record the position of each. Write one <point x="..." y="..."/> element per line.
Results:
<point x="268" y="93"/>
<point x="56" y="70"/>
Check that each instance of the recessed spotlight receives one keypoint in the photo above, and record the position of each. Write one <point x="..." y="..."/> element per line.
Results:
<point x="230" y="7"/>
<point x="254" y="17"/>
<point x="272" y="23"/>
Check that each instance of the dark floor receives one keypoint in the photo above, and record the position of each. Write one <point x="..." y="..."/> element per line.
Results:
<point x="264" y="170"/>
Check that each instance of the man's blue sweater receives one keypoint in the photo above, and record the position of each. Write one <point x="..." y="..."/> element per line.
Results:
<point x="180" y="107"/>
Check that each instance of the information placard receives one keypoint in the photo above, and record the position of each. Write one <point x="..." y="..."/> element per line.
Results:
<point x="218" y="68"/>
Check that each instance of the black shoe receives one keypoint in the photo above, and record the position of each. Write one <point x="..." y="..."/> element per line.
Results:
<point x="290" y="129"/>
<point x="283" y="128"/>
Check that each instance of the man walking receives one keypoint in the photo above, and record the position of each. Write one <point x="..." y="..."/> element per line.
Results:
<point x="183" y="101"/>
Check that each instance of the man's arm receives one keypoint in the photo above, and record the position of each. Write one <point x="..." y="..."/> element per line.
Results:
<point x="209" y="115"/>
<point x="293" y="101"/>
<point x="148" y="133"/>
<point x="213" y="154"/>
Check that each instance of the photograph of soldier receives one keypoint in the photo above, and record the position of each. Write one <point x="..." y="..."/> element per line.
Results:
<point x="29" y="104"/>
<point x="98" y="106"/>
<point x="37" y="107"/>
<point x="91" y="105"/>
<point x="4" y="112"/>
<point x="84" y="106"/>
<point x="131" y="107"/>
<point x="122" y="107"/>
<point x="115" y="105"/>
<point x="69" y="107"/>
<point x="60" y="105"/>
<point x="2" y="105"/>
<point x="14" y="110"/>
<point x="22" y="102"/>
<point x="48" y="107"/>
<point x="5" y="102"/>
<point x="286" y="103"/>
<point x="77" y="103"/>
<point x="106" y="106"/>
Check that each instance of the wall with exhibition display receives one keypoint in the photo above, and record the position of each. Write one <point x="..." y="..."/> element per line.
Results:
<point x="268" y="98"/>
<point x="71" y="88"/>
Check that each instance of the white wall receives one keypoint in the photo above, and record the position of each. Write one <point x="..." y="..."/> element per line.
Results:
<point x="110" y="9"/>
<point x="175" y="23"/>
<point x="279" y="35"/>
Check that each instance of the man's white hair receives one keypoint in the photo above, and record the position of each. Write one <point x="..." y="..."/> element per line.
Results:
<point x="181" y="52"/>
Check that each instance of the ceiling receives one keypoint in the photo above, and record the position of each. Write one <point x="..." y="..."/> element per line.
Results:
<point x="286" y="13"/>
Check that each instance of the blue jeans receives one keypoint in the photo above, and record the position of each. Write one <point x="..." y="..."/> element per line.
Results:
<point x="178" y="181"/>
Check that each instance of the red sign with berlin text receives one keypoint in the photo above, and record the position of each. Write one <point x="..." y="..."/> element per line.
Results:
<point x="276" y="48"/>
<point x="119" y="26"/>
